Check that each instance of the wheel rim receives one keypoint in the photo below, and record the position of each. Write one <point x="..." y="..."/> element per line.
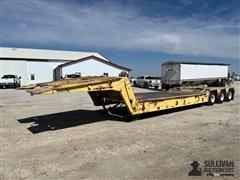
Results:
<point x="221" y="97"/>
<point x="230" y="95"/>
<point x="212" y="98"/>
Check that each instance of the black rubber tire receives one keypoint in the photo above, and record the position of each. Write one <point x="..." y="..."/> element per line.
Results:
<point x="134" y="84"/>
<point x="220" y="97"/>
<point x="168" y="87"/>
<point x="229" y="96"/>
<point x="165" y="86"/>
<point x="212" y="99"/>
<point x="145" y="85"/>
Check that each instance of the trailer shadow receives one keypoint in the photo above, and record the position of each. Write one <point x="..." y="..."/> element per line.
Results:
<point x="62" y="120"/>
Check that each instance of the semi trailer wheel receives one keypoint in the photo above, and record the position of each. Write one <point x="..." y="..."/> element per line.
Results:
<point x="229" y="96"/>
<point x="165" y="86"/>
<point x="220" y="97"/>
<point x="212" y="99"/>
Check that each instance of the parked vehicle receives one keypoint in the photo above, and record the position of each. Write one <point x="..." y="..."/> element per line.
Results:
<point x="132" y="80"/>
<point x="236" y="77"/>
<point x="147" y="81"/>
<point x="123" y="74"/>
<point x="155" y="82"/>
<point x="190" y="73"/>
<point x="71" y="76"/>
<point x="10" y="81"/>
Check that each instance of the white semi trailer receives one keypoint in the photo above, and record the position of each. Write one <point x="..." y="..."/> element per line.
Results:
<point x="190" y="73"/>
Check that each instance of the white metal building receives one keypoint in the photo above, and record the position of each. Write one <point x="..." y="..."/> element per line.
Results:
<point x="89" y="66"/>
<point x="37" y="65"/>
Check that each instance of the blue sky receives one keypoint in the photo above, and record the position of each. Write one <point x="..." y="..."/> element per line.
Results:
<point x="140" y="34"/>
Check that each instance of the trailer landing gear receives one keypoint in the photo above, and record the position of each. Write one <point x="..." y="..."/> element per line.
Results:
<point x="110" y="112"/>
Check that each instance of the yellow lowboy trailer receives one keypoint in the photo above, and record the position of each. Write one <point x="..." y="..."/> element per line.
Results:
<point x="117" y="90"/>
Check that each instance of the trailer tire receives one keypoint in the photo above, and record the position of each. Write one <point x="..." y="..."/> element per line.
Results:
<point x="145" y="85"/>
<point x="220" y="97"/>
<point x="165" y="86"/>
<point x="229" y="96"/>
<point x="212" y="98"/>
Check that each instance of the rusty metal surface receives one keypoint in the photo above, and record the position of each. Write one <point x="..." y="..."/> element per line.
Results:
<point x="69" y="84"/>
<point x="89" y="79"/>
<point x="161" y="95"/>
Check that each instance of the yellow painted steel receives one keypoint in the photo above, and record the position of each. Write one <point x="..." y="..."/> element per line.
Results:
<point x="170" y="103"/>
<point x="112" y="90"/>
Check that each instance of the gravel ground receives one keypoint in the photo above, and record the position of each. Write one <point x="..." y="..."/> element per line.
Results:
<point x="64" y="136"/>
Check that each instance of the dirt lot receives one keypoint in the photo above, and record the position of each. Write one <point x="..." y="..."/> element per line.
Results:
<point x="64" y="136"/>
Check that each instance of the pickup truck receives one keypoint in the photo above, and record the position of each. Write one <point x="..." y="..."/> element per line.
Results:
<point x="10" y="81"/>
<point x="147" y="81"/>
<point x="71" y="76"/>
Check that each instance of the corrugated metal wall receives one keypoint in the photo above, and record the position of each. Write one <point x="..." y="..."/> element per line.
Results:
<point x="90" y="68"/>
<point x="42" y="71"/>
<point x="30" y="71"/>
<point x="195" y="71"/>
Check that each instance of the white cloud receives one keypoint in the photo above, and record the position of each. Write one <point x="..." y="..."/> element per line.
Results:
<point x="114" y="25"/>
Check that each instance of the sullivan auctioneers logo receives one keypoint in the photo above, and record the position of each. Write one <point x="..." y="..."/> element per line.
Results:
<point x="212" y="168"/>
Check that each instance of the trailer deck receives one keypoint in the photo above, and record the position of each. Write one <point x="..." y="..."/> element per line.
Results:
<point x="106" y="91"/>
<point x="161" y="95"/>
